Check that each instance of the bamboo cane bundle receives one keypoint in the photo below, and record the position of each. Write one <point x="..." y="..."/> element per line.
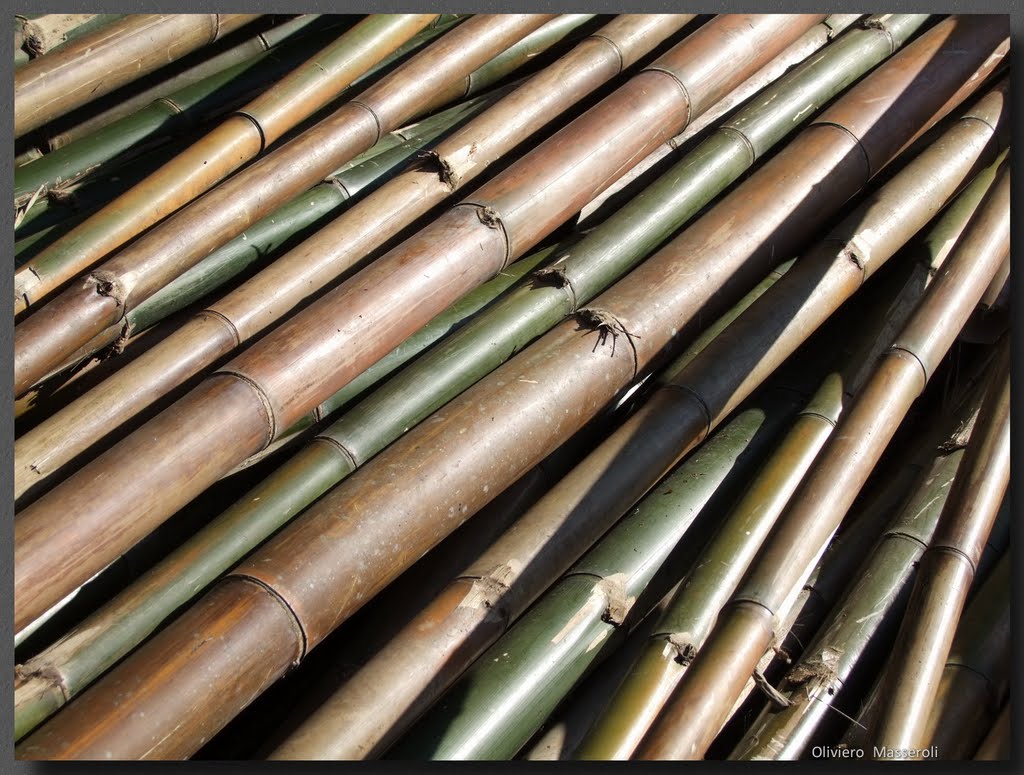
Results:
<point x="525" y="191"/>
<point x="235" y="141"/>
<point x="698" y="708"/>
<point x="181" y="241"/>
<point x="117" y="54"/>
<point x="862" y="623"/>
<point x="976" y="677"/>
<point x="947" y="567"/>
<point x="882" y="152"/>
<point x="263" y="241"/>
<point x="260" y="302"/>
<point x="500" y="702"/>
<point x="168" y="112"/>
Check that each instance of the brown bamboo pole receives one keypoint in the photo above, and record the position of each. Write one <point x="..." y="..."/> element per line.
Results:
<point x="997" y="745"/>
<point x="744" y="630"/>
<point x="947" y="568"/>
<point x="976" y="676"/>
<point x="277" y="290"/>
<point x="112" y="56"/>
<point x="102" y="297"/>
<point x="550" y="402"/>
<point x="532" y="197"/>
<point x="234" y="142"/>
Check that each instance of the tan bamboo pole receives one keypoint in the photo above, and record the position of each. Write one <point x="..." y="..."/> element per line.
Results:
<point x="103" y="296"/>
<point x="234" y="142"/>
<point x="248" y="610"/>
<point x="112" y="56"/>
<point x="744" y="630"/>
<point x="545" y="193"/>
<point x="266" y="298"/>
<point x="947" y="568"/>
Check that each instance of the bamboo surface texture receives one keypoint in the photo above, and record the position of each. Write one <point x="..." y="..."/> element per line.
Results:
<point x="715" y="75"/>
<point x="263" y="300"/>
<point x="238" y="139"/>
<point x="117" y="54"/>
<point x="133" y="274"/>
<point x="700" y="705"/>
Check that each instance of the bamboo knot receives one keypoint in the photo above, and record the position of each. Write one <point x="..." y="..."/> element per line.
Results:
<point x="108" y="284"/>
<point x="685" y="650"/>
<point x="822" y="668"/>
<point x="606" y="325"/>
<point x="489" y="217"/>
<point x="775" y="697"/>
<point x="618" y="604"/>
<point x="445" y="169"/>
<point x="556" y="277"/>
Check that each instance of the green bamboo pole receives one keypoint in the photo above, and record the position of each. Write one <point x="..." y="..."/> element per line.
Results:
<point x="599" y="260"/>
<point x="288" y="282"/>
<point x="171" y="112"/>
<point x="501" y="701"/>
<point x="976" y="677"/>
<point x="235" y="141"/>
<point x="109" y="57"/>
<point x="696" y="711"/>
<point x="913" y="672"/>
<point x="278" y="646"/>
<point x="861" y="624"/>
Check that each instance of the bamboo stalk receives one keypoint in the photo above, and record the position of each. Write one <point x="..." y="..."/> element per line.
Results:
<point x="539" y="216"/>
<point x="643" y="226"/>
<point x="170" y="111"/>
<point x="861" y="624"/>
<point x="947" y="568"/>
<point x="234" y="142"/>
<point x="501" y="701"/>
<point x="700" y="705"/>
<point x="976" y="676"/>
<point x="109" y="57"/>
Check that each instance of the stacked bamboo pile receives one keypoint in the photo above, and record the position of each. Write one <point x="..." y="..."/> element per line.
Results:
<point x="525" y="385"/>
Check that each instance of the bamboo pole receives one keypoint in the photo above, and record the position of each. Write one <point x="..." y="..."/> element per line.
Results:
<point x="998" y="743"/>
<point x="501" y="701"/>
<point x="700" y="705"/>
<point x="947" y="568"/>
<point x="976" y="676"/>
<point x="261" y="301"/>
<point x="49" y="32"/>
<point x="109" y="57"/>
<point x="861" y="624"/>
<point x="238" y="139"/>
<point x="721" y="63"/>
<point x="169" y="112"/>
<point x="642" y="226"/>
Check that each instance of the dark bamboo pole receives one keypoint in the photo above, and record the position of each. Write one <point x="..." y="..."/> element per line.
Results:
<point x="720" y="62"/>
<point x="109" y="57"/>
<point x="234" y="142"/>
<point x="508" y="692"/>
<point x="947" y="568"/>
<point x="976" y="676"/>
<point x="744" y="630"/>
<point x="261" y="301"/>
<point x="998" y="743"/>
<point x="178" y="243"/>
<point x="857" y="625"/>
